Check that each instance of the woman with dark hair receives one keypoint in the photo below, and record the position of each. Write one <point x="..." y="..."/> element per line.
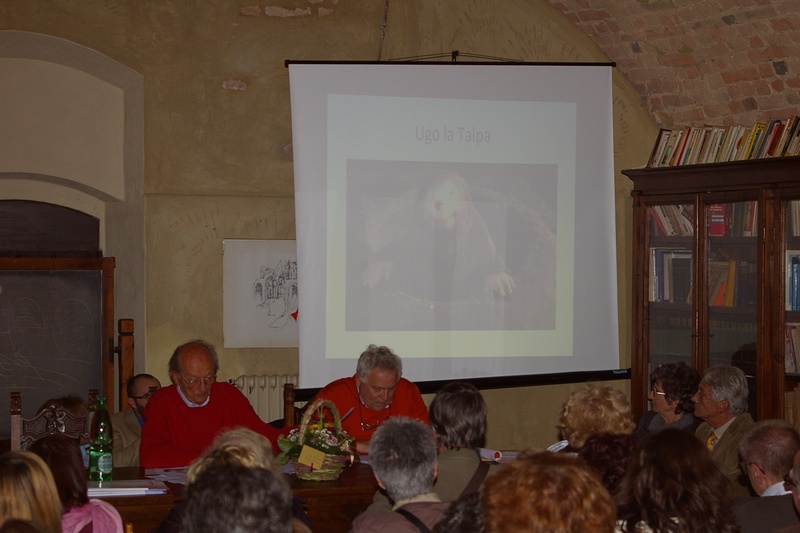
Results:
<point x="672" y="386"/>
<point x="64" y="459"/>
<point x="458" y="418"/>
<point x="673" y="485"/>
<point x="608" y="455"/>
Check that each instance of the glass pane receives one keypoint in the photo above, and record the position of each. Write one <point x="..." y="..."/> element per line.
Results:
<point x="732" y="273"/>
<point x="670" y="284"/>
<point x="791" y="284"/>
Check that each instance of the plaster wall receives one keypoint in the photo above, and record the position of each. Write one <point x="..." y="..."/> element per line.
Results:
<point x="217" y="141"/>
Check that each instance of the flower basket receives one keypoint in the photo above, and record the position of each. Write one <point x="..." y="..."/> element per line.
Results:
<point x="320" y="435"/>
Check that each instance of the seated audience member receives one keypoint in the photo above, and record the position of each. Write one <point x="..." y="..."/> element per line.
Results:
<point x="376" y="392"/>
<point x="127" y="424"/>
<point x="793" y="481"/>
<point x="548" y="493"/>
<point x="593" y="409"/>
<point x="458" y="419"/>
<point x="673" y="485"/>
<point x="240" y="499"/>
<point x="721" y="402"/>
<point x="403" y="459"/>
<point x="183" y="418"/>
<point x="28" y="491"/>
<point x="79" y="512"/>
<point x="608" y="456"/>
<point x="767" y="449"/>
<point x="672" y="386"/>
<point x="236" y="447"/>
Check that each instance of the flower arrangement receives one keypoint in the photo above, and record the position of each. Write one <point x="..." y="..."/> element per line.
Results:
<point x="321" y="435"/>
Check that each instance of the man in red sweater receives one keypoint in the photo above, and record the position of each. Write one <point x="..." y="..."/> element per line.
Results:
<point x="182" y="420"/>
<point x="376" y="392"/>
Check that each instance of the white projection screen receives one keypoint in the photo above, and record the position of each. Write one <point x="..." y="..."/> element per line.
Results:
<point x="460" y="213"/>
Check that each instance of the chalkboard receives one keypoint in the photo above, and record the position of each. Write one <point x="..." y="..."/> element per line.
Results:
<point x="51" y="336"/>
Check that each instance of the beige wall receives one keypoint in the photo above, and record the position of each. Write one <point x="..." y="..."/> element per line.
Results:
<point x="217" y="142"/>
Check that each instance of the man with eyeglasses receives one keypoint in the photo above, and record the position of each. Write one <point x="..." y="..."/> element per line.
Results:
<point x="128" y="423"/>
<point x="183" y="419"/>
<point x="767" y="450"/>
<point x="374" y="394"/>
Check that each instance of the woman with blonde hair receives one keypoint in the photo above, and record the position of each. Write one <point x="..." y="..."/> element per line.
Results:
<point x="593" y="409"/>
<point x="28" y="491"/>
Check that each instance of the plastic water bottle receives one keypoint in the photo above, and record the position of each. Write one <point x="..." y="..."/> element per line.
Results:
<point x="101" y="462"/>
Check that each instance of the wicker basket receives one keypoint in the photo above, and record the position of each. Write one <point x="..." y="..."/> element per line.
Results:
<point x="333" y="465"/>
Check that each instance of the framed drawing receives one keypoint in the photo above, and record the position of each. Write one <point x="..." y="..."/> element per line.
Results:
<point x="259" y="293"/>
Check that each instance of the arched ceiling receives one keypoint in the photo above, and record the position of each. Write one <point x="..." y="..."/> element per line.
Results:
<point x="700" y="62"/>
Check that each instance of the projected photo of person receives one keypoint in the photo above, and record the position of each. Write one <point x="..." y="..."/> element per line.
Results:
<point x="434" y="246"/>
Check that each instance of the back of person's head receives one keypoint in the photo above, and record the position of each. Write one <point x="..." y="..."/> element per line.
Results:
<point x="673" y="480"/>
<point x="238" y="446"/>
<point x="17" y="525"/>
<point x="608" y="456"/>
<point x="402" y="454"/>
<point x="728" y="383"/>
<point x="770" y="444"/>
<point x="378" y="357"/>
<point x="28" y="491"/>
<point x="63" y="457"/>
<point x="547" y="493"/>
<point x="679" y="382"/>
<point x="595" y="409"/>
<point x="458" y="416"/>
<point x="465" y="515"/>
<point x="238" y="499"/>
<point x="71" y="403"/>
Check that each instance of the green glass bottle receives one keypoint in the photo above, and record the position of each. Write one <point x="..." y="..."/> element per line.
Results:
<point x="100" y="457"/>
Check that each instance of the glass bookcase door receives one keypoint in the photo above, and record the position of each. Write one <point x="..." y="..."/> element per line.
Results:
<point x="670" y="280"/>
<point x="732" y="277"/>
<point x="791" y="283"/>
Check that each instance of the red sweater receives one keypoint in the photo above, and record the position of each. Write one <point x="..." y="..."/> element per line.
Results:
<point x="407" y="401"/>
<point x="175" y="434"/>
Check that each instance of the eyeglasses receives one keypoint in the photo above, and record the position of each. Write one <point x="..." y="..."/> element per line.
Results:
<point x="193" y="382"/>
<point x="660" y="393"/>
<point x="146" y="395"/>
<point x="788" y="481"/>
<point x="369" y="427"/>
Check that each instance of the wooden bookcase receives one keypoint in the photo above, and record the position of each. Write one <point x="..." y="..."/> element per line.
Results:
<point x="698" y="231"/>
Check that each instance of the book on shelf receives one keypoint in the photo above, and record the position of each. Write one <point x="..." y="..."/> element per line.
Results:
<point x="716" y="220"/>
<point x="792" y="259"/>
<point x="717" y="282"/>
<point x="658" y="148"/>
<point x="670" y="275"/>
<point x="730" y="284"/>
<point x="790" y="338"/>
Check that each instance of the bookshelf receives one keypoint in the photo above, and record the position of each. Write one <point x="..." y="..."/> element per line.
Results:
<point x="716" y="275"/>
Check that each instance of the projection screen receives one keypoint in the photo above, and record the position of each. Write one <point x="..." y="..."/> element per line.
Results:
<point x="461" y="214"/>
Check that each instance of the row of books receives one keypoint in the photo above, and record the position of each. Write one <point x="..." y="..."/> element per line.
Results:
<point x="792" y="281"/>
<point x="670" y="275"/>
<point x="732" y="219"/>
<point x="715" y="144"/>
<point x="732" y="283"/>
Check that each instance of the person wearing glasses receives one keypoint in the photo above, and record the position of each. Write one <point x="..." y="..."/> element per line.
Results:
<point x="183" y="419"/>
<point x="671" y="405"/>
<point x="374" y="394"/>
<point x="127" y="424"/>
<point x="767" y="450"/>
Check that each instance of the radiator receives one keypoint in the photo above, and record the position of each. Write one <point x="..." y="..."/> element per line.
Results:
<point x="265" y="393"/>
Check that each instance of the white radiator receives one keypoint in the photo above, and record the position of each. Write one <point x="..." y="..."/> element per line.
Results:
<point x="265" y="393"/>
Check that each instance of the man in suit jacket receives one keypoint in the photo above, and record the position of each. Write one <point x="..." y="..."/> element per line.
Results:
<point x="127" y="424"/>
<point x="767" y="449"/>
<point x="721" y="402"/>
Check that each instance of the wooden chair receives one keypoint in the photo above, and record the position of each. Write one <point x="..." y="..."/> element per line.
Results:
<point x="292" y="415"/>
<point x="52" y="419"/>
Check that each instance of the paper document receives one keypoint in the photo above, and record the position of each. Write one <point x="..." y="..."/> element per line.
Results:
<point x="126" y="487"/>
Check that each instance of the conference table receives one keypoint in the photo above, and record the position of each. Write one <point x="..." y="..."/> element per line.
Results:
<point x="331" y="505"/>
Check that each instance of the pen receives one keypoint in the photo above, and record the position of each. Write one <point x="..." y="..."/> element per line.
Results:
<point x="348" y="413"/>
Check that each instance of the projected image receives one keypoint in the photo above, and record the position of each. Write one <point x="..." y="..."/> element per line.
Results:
<point x="437" y="246"/>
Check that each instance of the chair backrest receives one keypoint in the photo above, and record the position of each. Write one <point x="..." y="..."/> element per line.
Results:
<point x="292" y="415"/>
<point x="51" y="419"/>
